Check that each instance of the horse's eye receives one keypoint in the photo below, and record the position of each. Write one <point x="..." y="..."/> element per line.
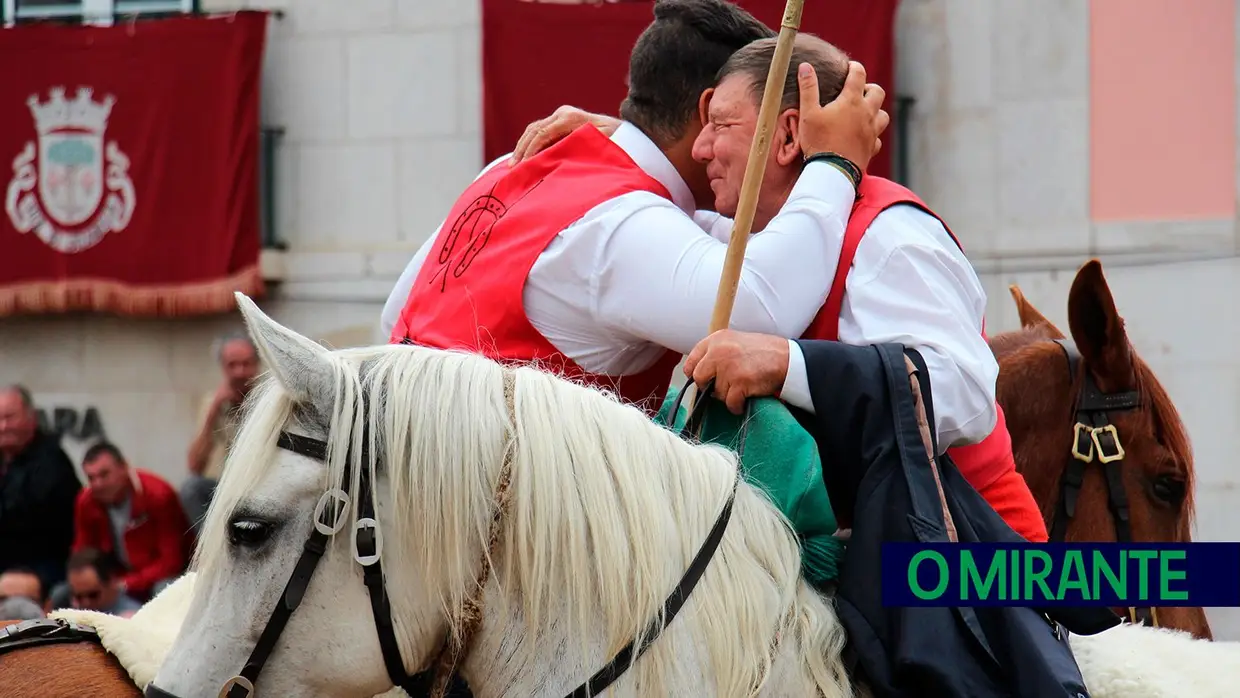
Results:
<point x="249" y="533"/>
<point x="1169" y="489"/>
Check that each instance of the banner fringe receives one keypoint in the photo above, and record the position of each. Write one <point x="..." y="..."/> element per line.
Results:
<point x="106" y="296"/>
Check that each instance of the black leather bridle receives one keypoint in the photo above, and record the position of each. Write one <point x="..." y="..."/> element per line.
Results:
<point x="330" y="518"/>
<point x="1095" y="439"/>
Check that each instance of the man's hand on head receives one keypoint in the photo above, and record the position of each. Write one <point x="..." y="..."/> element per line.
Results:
<point x="743" y="364"/>
<point x="548" y="131"/>
<point x="850" y="124"/>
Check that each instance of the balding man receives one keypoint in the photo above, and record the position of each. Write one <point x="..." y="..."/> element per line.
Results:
<point x="238" y="362"/>
<point x="38" y="488"/>
<point x="900" y="277"/>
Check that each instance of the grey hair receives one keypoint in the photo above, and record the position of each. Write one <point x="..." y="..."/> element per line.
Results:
<point x="217" y="347"/>
<point x="20" y="608"/>
<point x="22" y="392"/>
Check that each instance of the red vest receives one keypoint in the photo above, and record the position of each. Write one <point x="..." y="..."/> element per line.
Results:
<point x="468" y="292"/>
<point x="983" y="464"/>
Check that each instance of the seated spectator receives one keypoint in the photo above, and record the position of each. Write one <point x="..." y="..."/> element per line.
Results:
<point x="18" y="608"/>
<point x="217" y="423"/>
<point x="38" y="486"/>
<point x="95" y="586"/>
<point x="134" y="515"/>
<point x="25" y="583"/>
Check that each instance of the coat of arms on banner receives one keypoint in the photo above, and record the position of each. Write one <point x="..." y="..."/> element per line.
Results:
<point x="68" y="198"/>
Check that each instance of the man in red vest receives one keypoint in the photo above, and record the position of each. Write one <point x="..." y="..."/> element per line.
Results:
<point x="586" y="259"/>
<point x="900" y="276"/>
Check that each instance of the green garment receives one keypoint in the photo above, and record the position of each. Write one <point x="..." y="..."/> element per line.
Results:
<point x="781" y="458"/>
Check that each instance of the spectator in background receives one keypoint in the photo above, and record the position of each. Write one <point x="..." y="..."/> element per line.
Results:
<point x="18" y="608"/>
<point x="22" y="582"/>
<point x="38" y="486"/>
<point x="135" y="516"/>
<point x="238" y="361"/>
<point x="94" y="584"/>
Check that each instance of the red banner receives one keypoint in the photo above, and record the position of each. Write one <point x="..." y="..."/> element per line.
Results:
<point x="129" y="166"/>
<point x="539" y="55"/>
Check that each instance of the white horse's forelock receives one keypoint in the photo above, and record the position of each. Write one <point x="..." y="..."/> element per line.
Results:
<point x="605" y="511"/>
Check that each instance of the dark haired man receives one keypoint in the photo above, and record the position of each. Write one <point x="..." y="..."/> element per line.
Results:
<point x="135" y="516"/>
<point x="95" y="584"/>
<point x="586" y="258"/>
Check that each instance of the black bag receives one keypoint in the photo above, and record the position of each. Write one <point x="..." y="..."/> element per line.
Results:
<point x="1018" y="652"/>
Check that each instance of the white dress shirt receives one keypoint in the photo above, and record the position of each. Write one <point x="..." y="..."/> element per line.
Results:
<point x="910" y="284"/>
<point x="636" y="274"/>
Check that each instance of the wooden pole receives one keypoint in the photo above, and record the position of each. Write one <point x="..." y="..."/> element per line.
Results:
<point x="759" y="150"/>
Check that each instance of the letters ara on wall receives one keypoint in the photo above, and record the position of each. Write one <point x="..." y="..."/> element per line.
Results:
<point x="66" y="196"/>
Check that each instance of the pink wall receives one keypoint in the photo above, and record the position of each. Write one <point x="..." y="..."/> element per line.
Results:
<point x="1162" y="109"/>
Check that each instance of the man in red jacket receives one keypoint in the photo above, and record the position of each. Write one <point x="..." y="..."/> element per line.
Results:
<point x="136" y="516"/>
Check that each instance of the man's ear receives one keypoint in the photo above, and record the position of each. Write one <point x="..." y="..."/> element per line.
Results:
<point x="704" y="105"/>
<point x="786" y="141"/>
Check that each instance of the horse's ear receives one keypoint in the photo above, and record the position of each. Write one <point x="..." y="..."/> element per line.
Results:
<point x="1098" y="330"/>
<point x="301" y="366"/>
<point x="1030" y="316"/>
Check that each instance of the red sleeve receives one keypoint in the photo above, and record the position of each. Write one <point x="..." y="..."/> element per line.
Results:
<point x="85" y="532"/>
<point x="1011" y="498"/>
<point x="168" y="524"/>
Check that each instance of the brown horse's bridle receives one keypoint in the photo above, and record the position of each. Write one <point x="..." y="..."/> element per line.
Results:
<point x="1094" y="438"/>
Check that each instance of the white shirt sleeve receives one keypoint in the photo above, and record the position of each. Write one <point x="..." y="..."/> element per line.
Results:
<point x="658" y="275"/>
<point x="927" y="297"/>
<point x="400" y="292"/>
<point x="716" y="224"/>
<point x="796" y="383"/>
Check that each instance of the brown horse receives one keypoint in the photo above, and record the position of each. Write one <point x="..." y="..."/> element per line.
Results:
<point x="1094" y="433"/>
<point x="79" y="668"/>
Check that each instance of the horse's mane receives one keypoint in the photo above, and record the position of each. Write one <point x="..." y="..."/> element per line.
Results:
<point x="605" y="509"/>
<point x="1169" y="427"/>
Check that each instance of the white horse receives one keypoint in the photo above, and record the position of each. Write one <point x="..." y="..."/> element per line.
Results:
<point x="538" y="524"/>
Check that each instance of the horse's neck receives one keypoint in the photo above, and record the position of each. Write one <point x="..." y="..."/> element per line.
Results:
<point x="505" y="661"/>
<point x="502" y="663"/>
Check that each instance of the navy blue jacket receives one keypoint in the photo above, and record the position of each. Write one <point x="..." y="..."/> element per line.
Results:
<point x="879" y="475"/>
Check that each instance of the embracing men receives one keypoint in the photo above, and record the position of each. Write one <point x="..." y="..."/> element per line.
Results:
<point x="587" y="259"/>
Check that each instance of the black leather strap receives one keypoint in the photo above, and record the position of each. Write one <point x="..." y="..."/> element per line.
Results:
<point x="44" y="631"/>
<point x="295" y="589"/>
<point x="696" y="420"/>
<point x="380" y="605"/>
<point x="675" y="601"/>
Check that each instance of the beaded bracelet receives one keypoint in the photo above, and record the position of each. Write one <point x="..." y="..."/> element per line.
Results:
<point x="841" y="163"/>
